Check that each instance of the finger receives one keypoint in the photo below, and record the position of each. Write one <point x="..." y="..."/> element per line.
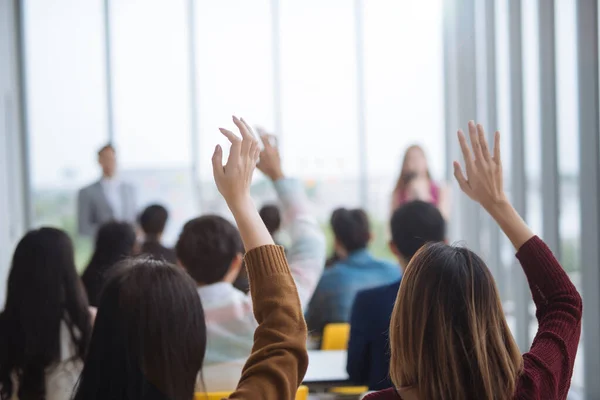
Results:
<point x="217" y="161"/>
<point x="460" y="177"/>
<point x="232" y="137"/>
<point x="241" y="127"/>
<point x="465" y="150"/>
<point x="483" y="143"/>
<point x="266" y="141"/>
<point x="497" y="157"/>
<point x="257" y="155"/>
<point x="475" y="142"/>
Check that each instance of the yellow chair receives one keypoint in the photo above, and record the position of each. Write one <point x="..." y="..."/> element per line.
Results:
<point x="335" y="337"/>
<point x="301" y="394"/>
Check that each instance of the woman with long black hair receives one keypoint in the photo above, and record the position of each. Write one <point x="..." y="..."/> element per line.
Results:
<point x="46" y="325"/>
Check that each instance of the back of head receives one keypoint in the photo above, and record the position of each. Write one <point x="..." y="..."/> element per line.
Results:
<point x="448" y="335"/>
<point x="114" y="242"/>
<point x="207" y="246"/>
<point x="43" y="292"/>
<point x="271" y="216"/>
<point x="415" y="224"/>
<point x="149" y="335"/>
<point x="153" y="220"/>
<point x="351" y="228"/>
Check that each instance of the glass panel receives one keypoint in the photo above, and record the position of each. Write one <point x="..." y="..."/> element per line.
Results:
<point x="151" y="107"/>
<point x="320" y="136"/>
<point x="66" y="106"/>
<point x="234" y="76"/>
<point x="568" y="160"/>
<point x="404" y="100"/>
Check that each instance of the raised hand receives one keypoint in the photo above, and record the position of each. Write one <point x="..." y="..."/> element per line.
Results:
<point x="484" y="181"/>
<point x="270" y="161"/>
<point x="234" y="178"/>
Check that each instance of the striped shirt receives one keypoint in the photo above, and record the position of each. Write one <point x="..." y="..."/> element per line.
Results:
<point x="230" y="323"/>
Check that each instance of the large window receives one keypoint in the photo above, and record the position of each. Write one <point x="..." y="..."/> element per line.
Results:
<point x="66" y="102"/>
<point x="173" y="63"/>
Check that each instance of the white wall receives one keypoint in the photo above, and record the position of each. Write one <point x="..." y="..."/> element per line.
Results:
<point x="12" y="174"/>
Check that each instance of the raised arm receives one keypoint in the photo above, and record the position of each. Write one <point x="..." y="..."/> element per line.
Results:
<point x="279" y="359"/>
<point x="306" y="255"/>
<point x="548" y="366"/>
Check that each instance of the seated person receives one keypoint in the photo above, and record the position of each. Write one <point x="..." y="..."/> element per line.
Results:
<point x="153" y="221"/>
<point x="210" y="249"/>
<point x="271" y="216"/>
<point x="356" y="270"/>
<point x="150" y="335"/>
<point x="412" y="225"/>
<point x="115" y="241"/>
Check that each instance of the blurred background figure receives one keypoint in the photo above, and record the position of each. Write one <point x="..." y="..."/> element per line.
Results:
<point x="46" y="325"/>
<point x="114" y="242"/>
<point x="355" y="270"/>
<point x="108" y="199"/>
<point x="415" y="183"/>
<point x="271" y="216"/>
<point x="153" y="221"/>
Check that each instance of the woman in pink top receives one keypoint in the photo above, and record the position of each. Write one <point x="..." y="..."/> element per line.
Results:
<point x="415" y="183"/>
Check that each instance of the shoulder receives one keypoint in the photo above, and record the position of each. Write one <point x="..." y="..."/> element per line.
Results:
<point x="91" y="187"/>
<point x="383" y="394"/>
<point x="378" y="294"/>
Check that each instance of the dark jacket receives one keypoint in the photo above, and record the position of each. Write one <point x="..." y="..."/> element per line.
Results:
<point x="157" y="250"/>
<point x="368" y="348"/>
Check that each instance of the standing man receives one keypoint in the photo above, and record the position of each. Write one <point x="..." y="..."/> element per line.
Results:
<point x="109" y="199"/>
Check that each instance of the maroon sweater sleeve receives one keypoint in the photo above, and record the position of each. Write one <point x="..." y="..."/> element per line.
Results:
<point x="548" y="366"/>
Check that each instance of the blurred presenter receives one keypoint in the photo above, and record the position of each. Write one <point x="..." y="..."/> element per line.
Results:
<point x="108" y="199"/>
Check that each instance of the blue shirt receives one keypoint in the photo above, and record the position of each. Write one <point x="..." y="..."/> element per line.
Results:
<point x="368" y="349"/>
<point x="339" y="285"/>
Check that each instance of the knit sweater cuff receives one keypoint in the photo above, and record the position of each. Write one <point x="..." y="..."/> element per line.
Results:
<point x="266" y="261"/>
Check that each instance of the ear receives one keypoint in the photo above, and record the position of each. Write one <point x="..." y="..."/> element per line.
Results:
<point x="234" y="268"/>
<point x="394" y="249"/>
<point x="371" y="237"/>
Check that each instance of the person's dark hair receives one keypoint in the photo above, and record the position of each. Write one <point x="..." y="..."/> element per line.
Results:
<point x="107" y="146"/>
<point x="43" y="292"/>
<point x="149" y="337"/>
<point x="351" y="228"/>
<point x="153" y="220"/>
<point x="271" y="216"/>
<point x="415" y="224"/>
<point x="207" y="246"/>
<point x="114" y="242"/>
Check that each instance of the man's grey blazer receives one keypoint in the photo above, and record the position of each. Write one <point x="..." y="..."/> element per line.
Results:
<point x="93" y="209"/>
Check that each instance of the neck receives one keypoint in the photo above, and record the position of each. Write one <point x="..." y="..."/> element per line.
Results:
<point x="153" y="237"/>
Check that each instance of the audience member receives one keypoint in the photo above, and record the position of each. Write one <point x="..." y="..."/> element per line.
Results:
<point x="412" y="225"/>
<point x="210" y="249"/>
<point x="415" y="183"/>
<point x="153" y="221"/>
<point x="150" y="336"/>
<point x="109" y="199"/>
<point x="45" y="327"/>
<point x="448" y="334"/>
<point x="114" y="242"/>
<point x="357" y="270"/>
<point x="271" y="216"/>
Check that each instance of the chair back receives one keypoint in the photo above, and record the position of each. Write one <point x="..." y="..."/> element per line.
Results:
<point x="335" y="336"/>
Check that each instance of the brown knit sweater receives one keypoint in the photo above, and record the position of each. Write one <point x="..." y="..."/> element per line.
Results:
<point x="279" y="359"/>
